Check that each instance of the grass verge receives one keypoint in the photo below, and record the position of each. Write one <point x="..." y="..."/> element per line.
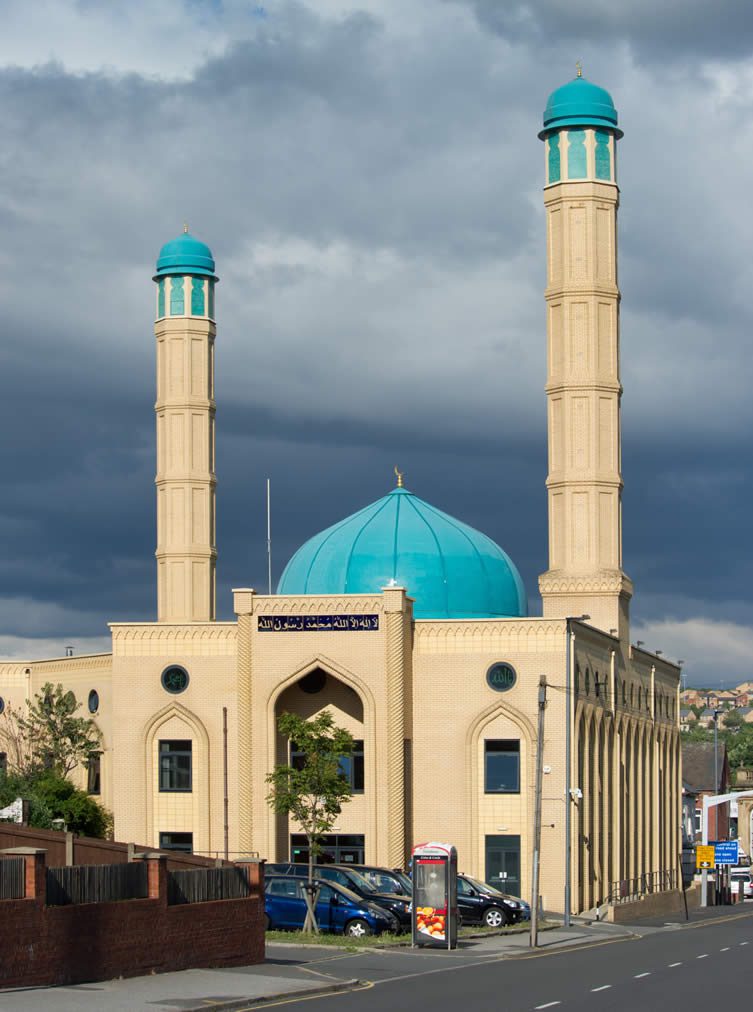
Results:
<point x="386" y="940"/>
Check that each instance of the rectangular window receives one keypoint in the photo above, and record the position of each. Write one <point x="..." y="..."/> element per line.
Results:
<point x="351" y="766"/>
<point x="175" y="765"/>
<point x="176" y="841"/>
<point x="502" y="767"/>
<point x="3" y="763"/>
<point x="94" y="774"/>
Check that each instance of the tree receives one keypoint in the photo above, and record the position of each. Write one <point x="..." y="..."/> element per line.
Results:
<point x="732" y="719"/>
<point x="54" y="737"/>
<point x="314" y="790"/>
<point x="51" y="797"/>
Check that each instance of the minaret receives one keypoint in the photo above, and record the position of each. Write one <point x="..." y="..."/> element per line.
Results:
<point x="583" y="375"/>
<point x="185" y="332"/>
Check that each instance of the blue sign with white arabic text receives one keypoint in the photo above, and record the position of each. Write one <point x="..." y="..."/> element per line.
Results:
<point x="726" y="852"/>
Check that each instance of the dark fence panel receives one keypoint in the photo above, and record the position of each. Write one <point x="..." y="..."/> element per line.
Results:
<point x="101" y="883"/>
<point x="204" y="884"/>
<point x="12" y="878"/>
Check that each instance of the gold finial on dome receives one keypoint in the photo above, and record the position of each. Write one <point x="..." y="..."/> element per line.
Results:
<point x="399" y="476"/>
<point x="185" y="229"/>
<point x="579" y="68"/>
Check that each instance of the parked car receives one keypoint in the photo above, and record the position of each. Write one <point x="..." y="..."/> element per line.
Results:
<point x="337" y="909"/>
<point x="740" y="878"/>
<point x="346" y="876"/>
<point x="479" y="903"/>
<point x="385" y="880"/>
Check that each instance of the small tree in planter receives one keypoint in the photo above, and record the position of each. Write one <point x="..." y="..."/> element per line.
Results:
<point x="315" y="789"/>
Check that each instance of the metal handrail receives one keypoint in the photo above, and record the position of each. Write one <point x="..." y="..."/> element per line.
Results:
<point x="626" y="890"/>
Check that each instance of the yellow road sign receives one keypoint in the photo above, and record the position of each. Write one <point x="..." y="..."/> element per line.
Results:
<point x="704" y="856"/>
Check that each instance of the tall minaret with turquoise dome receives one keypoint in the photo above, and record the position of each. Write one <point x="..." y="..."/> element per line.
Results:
<point x="583" y="387"/>
<point x="185" y="408"/>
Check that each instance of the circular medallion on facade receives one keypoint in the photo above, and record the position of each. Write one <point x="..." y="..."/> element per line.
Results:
<point x="93" y="701"/>
<point x="175" y="679"/>
<point x="501" y="677"/>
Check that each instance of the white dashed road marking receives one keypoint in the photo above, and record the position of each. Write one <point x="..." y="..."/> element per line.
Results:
<point x="639" y="975"/>
<point x="603" y="987"/>
<point x="725" y="949"/>
<point x="704" y="956"/>
<point x="743" y="943"/>
<point x="674" y="964"/>
<point x="549" y="1004"/>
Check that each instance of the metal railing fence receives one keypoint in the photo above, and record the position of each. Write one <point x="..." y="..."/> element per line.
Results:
<point x="626" y="890"/>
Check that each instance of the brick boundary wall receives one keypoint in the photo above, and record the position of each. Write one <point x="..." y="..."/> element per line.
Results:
<point x="42" y="945"/>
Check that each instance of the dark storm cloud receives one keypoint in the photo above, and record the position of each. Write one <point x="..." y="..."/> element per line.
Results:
<point x="671" y="29"/>
<point x="372" y="196"/>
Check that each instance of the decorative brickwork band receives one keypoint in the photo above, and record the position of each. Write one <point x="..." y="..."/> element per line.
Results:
<point x="245" y="688"/>
<point x="395" y="645"/>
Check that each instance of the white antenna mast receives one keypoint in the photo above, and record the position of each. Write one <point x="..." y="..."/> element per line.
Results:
<point x="269" y="538"/>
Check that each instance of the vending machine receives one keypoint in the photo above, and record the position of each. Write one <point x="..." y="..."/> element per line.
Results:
<point x="435" y="895"/>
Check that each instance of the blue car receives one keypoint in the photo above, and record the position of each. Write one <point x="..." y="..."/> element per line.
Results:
<point x="337" y="909"/>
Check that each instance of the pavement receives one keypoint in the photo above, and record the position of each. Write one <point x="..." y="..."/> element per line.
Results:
<point x="292" y="971"/>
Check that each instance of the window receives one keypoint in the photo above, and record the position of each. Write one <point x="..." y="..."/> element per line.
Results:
<point x="501" y="767"/>
<point x="351" y="766"/>
<point x="94" y="771"/>
<point x="597" y="686"/>
<point x="93" y="701"/>
<point x="588" y="682"/>
<point x="287" y="887"/>
<point x="174" y="679"/>
<point x="176" y="841"/>
<point x="175" y="765"/>
<point x="3" y="763"/>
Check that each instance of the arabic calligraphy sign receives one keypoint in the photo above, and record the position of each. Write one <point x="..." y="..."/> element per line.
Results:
<point x="318" y="623"/>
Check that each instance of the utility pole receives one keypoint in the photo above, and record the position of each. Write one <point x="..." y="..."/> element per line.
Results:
<point x="537" y="817"/>
<point x="226" y="826"/>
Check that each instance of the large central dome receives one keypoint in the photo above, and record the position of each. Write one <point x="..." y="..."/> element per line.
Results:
<point x="450" y="569"/>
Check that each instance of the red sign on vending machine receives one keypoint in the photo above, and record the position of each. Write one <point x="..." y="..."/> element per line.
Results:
<point x="435" y="895"/>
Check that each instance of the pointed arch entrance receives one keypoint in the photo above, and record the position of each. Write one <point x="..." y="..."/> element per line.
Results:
<point x="323" y="685"/>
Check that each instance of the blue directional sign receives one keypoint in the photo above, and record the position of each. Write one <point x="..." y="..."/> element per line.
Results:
<point x="726" y="852"/>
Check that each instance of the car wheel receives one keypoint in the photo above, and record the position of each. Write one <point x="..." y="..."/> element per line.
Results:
<point x="357" y="928"/>
<point x="495" y="917"/>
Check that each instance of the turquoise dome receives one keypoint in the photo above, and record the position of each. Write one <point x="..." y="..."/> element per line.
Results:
<point x="580" y="103"/>
<point x="450" y="569"/>
<point x="185" y="255"/>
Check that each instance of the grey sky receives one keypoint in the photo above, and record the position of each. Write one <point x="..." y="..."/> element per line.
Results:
<point x="369" y="179"/>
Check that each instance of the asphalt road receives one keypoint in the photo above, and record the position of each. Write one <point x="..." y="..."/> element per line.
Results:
<point x="703" y="967"/>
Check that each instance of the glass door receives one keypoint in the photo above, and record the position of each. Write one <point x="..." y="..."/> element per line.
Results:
<point x="503" y="863"/>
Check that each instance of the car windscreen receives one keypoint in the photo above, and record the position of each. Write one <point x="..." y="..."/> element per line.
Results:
<point x="360" y="882"/>
<point x="482" y="887"/>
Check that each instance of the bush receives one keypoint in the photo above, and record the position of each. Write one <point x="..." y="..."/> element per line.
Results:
<point x="51" y="797"/>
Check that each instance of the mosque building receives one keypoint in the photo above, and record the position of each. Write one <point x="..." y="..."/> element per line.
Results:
<point x="408" y="625"/>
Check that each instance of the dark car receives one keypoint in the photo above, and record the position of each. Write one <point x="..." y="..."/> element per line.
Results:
<point x="346" y="876"/>
<point x="479" y="903"/>
<point x="385" y="880"/>
<point x="337" y="909"/>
